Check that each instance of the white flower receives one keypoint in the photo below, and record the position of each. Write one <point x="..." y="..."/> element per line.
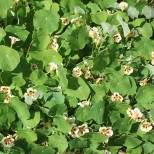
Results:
<point x="6" y="89"/>
<point x="98" y="40"/>
<point x="99" y="80"/>
<point x="54" y="46"/>
<point x="117" y="38"/>
<point x="65" y="21"/>
<point x="8" y="98"/>
<point x="13" y="40"/>
<point x="88" y="75"/>
<point x="74" y="132"/>
<point x="53" y="66"/>
<point x="55" y="38"/>
<point x="77" y="72"/>
<point x="83" y="129"/>
<point x="143" y="82"/>
<point x="84" y="103"/>
<point x="32" y="93"/>
<point x="146" y="127"/>
<point x="7" y="141"/>
<point x="107" y="131"/>
<point x="116" y="97"/>
<point x="152" y="54"/>
<point x="128" y="70"/>
<point x="123" y="6"/>
<point x="135" y="114"/>
<point x="76" y="20"/>
<point x="93" y="32"/>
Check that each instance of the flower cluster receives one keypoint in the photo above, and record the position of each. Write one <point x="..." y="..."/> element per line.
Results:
<point x="78" y="131"/>
<point x="138" y="116"/>
<point x="54" y="45"/>
<point x="6" y="90"/>
<point x="94" y="34"/>
<point x="116" y="97"/>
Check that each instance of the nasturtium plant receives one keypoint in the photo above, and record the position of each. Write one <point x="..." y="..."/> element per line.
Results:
<point x="76" y="77"/>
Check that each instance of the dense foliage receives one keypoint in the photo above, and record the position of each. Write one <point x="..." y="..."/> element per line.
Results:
<point x="76" y="76"/>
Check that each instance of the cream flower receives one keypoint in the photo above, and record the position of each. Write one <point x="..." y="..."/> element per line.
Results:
<point x="13" y="40"/>
<point x="83" y="129"/>
<point x="93" y="32"/>
<point x="54" y="46"/>
<point x="64" y="21"/>
<point x="31" y="93"/>
<point x="55" y="38"/>
<point x="117" y="38"/>
<point x="135" y="114"/>
<point x="74" y="132"/>
<point x="88" y="75"/>
<point x="99" y="80"/>
<point x="6" y="89"/>
<point x="7" y="141"/>
<point x="128" y="70"/>
<point x="143" y="82"/>
<point x="76" y="20"/>
<point x="107" y="131"/>
<point x="116" y="97"/>
<point x="8" y="98"/>
<point x="77" y="72"/>
<point x="84" y="103"/>
<point x="152" y="59"/>
<point x="146" y="127"/>
<point x="98" y="40"/>
<point x="123" y="6"/>
<point x="53" y="66"/>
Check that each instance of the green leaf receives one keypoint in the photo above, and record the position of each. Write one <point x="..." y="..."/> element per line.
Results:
<point x="9" y="58"/>
<point x="78" y="88"/>
<point x="148" y="147"/>
<point x="110" y="29"/>
<point x="133" y="12"/>
<point x="93" y="7"/>
<point x="4" y="7"/>
<point x="18" y="81"/>
<point x="2" y="33"/>
<point x="62" y="125"/>
<point x="78" y="9"/>
<point x="97" y="112"/>
<point x="20" y="108"/>
<point x="82" y="114"/>
<point x="47" y="20"/>
<point x="132" y="142"/>
<point x="62" y="76"/>
<point x="124" y="25"/>
<point x="41" y="39"/>
<point x="148" y="12"/>
<point x="42" y="150"/>
<point x="99" y="17"/>
<point x="58" y="141"/>
<point x="27" y="134"/>
<point x="78" y="38"/>
<point x="31" y="123"/>
<point x="19" y="31"/>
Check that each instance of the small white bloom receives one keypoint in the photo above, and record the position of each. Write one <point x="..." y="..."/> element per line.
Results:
<point x="128" y="70"/>
<point x="13" y="40"/>
<point x="55" y="38"/>
<point x="53" y="66"/>
<point x="31" y="93"/>
<point x="116" y="97"/>
<point x="54" y="46"/>
<point x="84" y="103"/>
<point x="76" y="20"/>
<point x="99" y="80"/>
<point x="117" y="38"/>
<point x="93" y="32"/>
<point x="152" y="54"/>
<point x="146" y="127"/>
<point x="98" y="40"/>
<point x="88" y="75"/>
<point x="8" y="98"/>
<point x="65" y="21"/>
<point x="123" y="6"/>
<point x="74" y="132"/>
<point x="77" y="72"/>
<point x="83" y="129"/>
<point x="7" y="141"/>
<point x="143" y="82"/>
<point x="107" y="131"/>
<point x="6" y="89"/>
